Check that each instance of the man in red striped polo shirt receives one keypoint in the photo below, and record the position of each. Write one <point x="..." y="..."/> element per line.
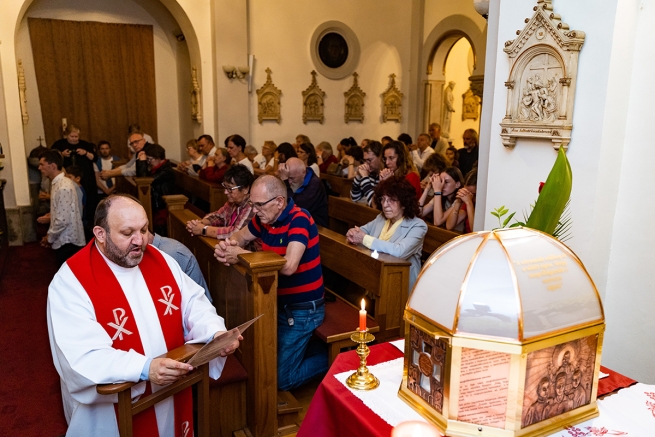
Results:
<point x="290" y="232"/>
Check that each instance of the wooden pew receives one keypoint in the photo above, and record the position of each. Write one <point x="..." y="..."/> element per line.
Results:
<point x="212" y="193"/>
<point x="338" y="184"/>
<point x="241" y="292"/>
<point x="139" y="188"/>
<point x="344" y="214"/>
<point x="386" y="279"/>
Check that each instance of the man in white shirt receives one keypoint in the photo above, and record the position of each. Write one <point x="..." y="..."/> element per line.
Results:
<point x="66" y="232"/>
<point x="236" y="146"/>
<point x="104" y="162"/>
<point x="422" y="150"/>
<point x="113" y="308"/>
<point x="438" y="143"/>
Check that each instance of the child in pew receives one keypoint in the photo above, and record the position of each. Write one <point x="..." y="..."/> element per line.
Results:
<point x="465" y="201"/>
<point x="397" y="230"/>
<point x="445" y="186"/>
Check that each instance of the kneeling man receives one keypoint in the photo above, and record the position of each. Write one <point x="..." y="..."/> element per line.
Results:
<point x="112" y="308"/>
<point x="290" y="232"/>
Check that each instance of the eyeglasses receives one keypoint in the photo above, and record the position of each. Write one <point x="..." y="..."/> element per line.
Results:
<point x="260" y="205"/>
<point x="390" y="158"/>
<point x="229" y="189"/>
<point x="369" y="160"/>
<point x="389" y="200"/>
<point x="135" y="142"/>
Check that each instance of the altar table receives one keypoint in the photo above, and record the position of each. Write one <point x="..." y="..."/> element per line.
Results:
<point x="336" y="411"/>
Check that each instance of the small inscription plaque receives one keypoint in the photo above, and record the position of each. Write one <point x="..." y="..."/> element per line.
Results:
<point x="484" y="379"/>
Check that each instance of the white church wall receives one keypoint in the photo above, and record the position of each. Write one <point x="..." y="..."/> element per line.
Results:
<point x="281" y="41"/>
<point x="436" y="10"/>
<point x="608" y="160"/>
<point x="630" y="292"/>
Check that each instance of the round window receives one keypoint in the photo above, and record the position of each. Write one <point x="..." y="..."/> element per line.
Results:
<point x="335" y="50"/>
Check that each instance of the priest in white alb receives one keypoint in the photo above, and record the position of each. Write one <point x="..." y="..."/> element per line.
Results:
<point x="112" y="309"/>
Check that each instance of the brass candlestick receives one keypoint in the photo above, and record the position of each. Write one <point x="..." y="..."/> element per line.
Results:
<point x="362" y="379"/>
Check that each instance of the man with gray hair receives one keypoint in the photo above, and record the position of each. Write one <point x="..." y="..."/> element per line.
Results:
<point x="290" y="232"/>
<point x="438" y="143"/>
<point x="306" y="190"/>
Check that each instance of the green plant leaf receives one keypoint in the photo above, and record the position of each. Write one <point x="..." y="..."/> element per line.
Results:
<point x="495" y="214"/>
<point x="508" y="219"/>
<point x="553" y="197"/>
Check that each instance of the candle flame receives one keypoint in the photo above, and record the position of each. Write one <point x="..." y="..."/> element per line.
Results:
<point x="363" y="305"/>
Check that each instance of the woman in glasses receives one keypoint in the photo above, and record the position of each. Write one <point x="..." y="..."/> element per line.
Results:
<point x="235" y="214"/>
<point x="398" y="230"/>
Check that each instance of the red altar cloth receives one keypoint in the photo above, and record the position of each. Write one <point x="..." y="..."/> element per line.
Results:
<point x="334" y="411"/>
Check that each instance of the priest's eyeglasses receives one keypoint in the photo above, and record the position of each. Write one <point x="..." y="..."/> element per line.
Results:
<point x="260" y="205"/>
<point x="230" y="189"/>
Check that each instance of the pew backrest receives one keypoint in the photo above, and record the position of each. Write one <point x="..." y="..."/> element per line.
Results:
<point x="344" y="214"/>
<point x="210" y="192"/>
<point x="385" y="278"/>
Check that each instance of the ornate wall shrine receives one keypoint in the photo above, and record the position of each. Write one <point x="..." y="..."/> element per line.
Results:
<point x="503" y="337"/>
<point x="542" y="79"/>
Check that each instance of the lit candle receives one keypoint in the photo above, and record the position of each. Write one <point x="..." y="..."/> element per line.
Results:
<point x="362" y="318"/>
<point x="415" y="429"/>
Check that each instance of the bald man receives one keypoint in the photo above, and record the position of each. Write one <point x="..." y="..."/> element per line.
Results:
<point x="307" y="190"/>
<point x="113" y="308"/>
<point x="289" y="231"/>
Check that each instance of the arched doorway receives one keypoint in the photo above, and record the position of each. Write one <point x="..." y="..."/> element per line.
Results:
<point x="449" y="100"/>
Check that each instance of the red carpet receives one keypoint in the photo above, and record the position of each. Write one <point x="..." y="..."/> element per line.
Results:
<point x="30" y="399"/>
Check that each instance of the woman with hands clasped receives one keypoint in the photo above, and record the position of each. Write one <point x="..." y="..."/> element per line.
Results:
<point x="445" y="186"/>
<point x="235" y="214"/>
<point x="465" y="201"/>
<point x="397" y="162"/>
<point x="397" y="230"/>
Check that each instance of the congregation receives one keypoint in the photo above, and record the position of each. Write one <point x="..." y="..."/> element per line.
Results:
<point x="276" y="200"/>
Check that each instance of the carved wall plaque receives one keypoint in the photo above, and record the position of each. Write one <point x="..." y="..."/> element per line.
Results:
<point x="542" y="79"/>
<point x="470" y="105"/>
<point x="196" y="111"/>
<point x="268" y="101"/>
<point x="392" y="102"/>
<point x="21" y="92"/>
<point x="312" y="102"/>
<point x="354" y="102"/>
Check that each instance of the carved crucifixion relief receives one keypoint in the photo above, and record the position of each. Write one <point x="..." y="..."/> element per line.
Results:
<point x="542" y="80"/>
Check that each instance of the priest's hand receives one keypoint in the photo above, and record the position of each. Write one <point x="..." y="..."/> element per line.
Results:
<point x="166" y="371"/>
<point x="231" y="348"/>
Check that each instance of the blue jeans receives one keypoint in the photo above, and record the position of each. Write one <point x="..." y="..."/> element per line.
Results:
<point x="298" y="359"/>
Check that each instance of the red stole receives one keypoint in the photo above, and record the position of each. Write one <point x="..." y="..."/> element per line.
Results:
<point x="113" y="313"/>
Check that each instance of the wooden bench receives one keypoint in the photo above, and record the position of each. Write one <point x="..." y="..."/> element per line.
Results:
<point x="241" y="292"/>
<point x="229" y="393"/>
<point x="338" y="184"/>
<point x="193" y="186"/>
<point x="341" y="320"/>
<point x="385" y="279"/>
<point x="139" y="188"/>
<point x="344" y="214"/>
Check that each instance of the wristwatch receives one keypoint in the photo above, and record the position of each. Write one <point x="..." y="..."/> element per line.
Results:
<point x="204" y="230"/>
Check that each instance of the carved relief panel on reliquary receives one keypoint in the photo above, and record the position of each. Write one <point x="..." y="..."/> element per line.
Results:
<point x="312" y="102"/>
<point x="542" y="79"/>
<point x="268" y="101"/>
